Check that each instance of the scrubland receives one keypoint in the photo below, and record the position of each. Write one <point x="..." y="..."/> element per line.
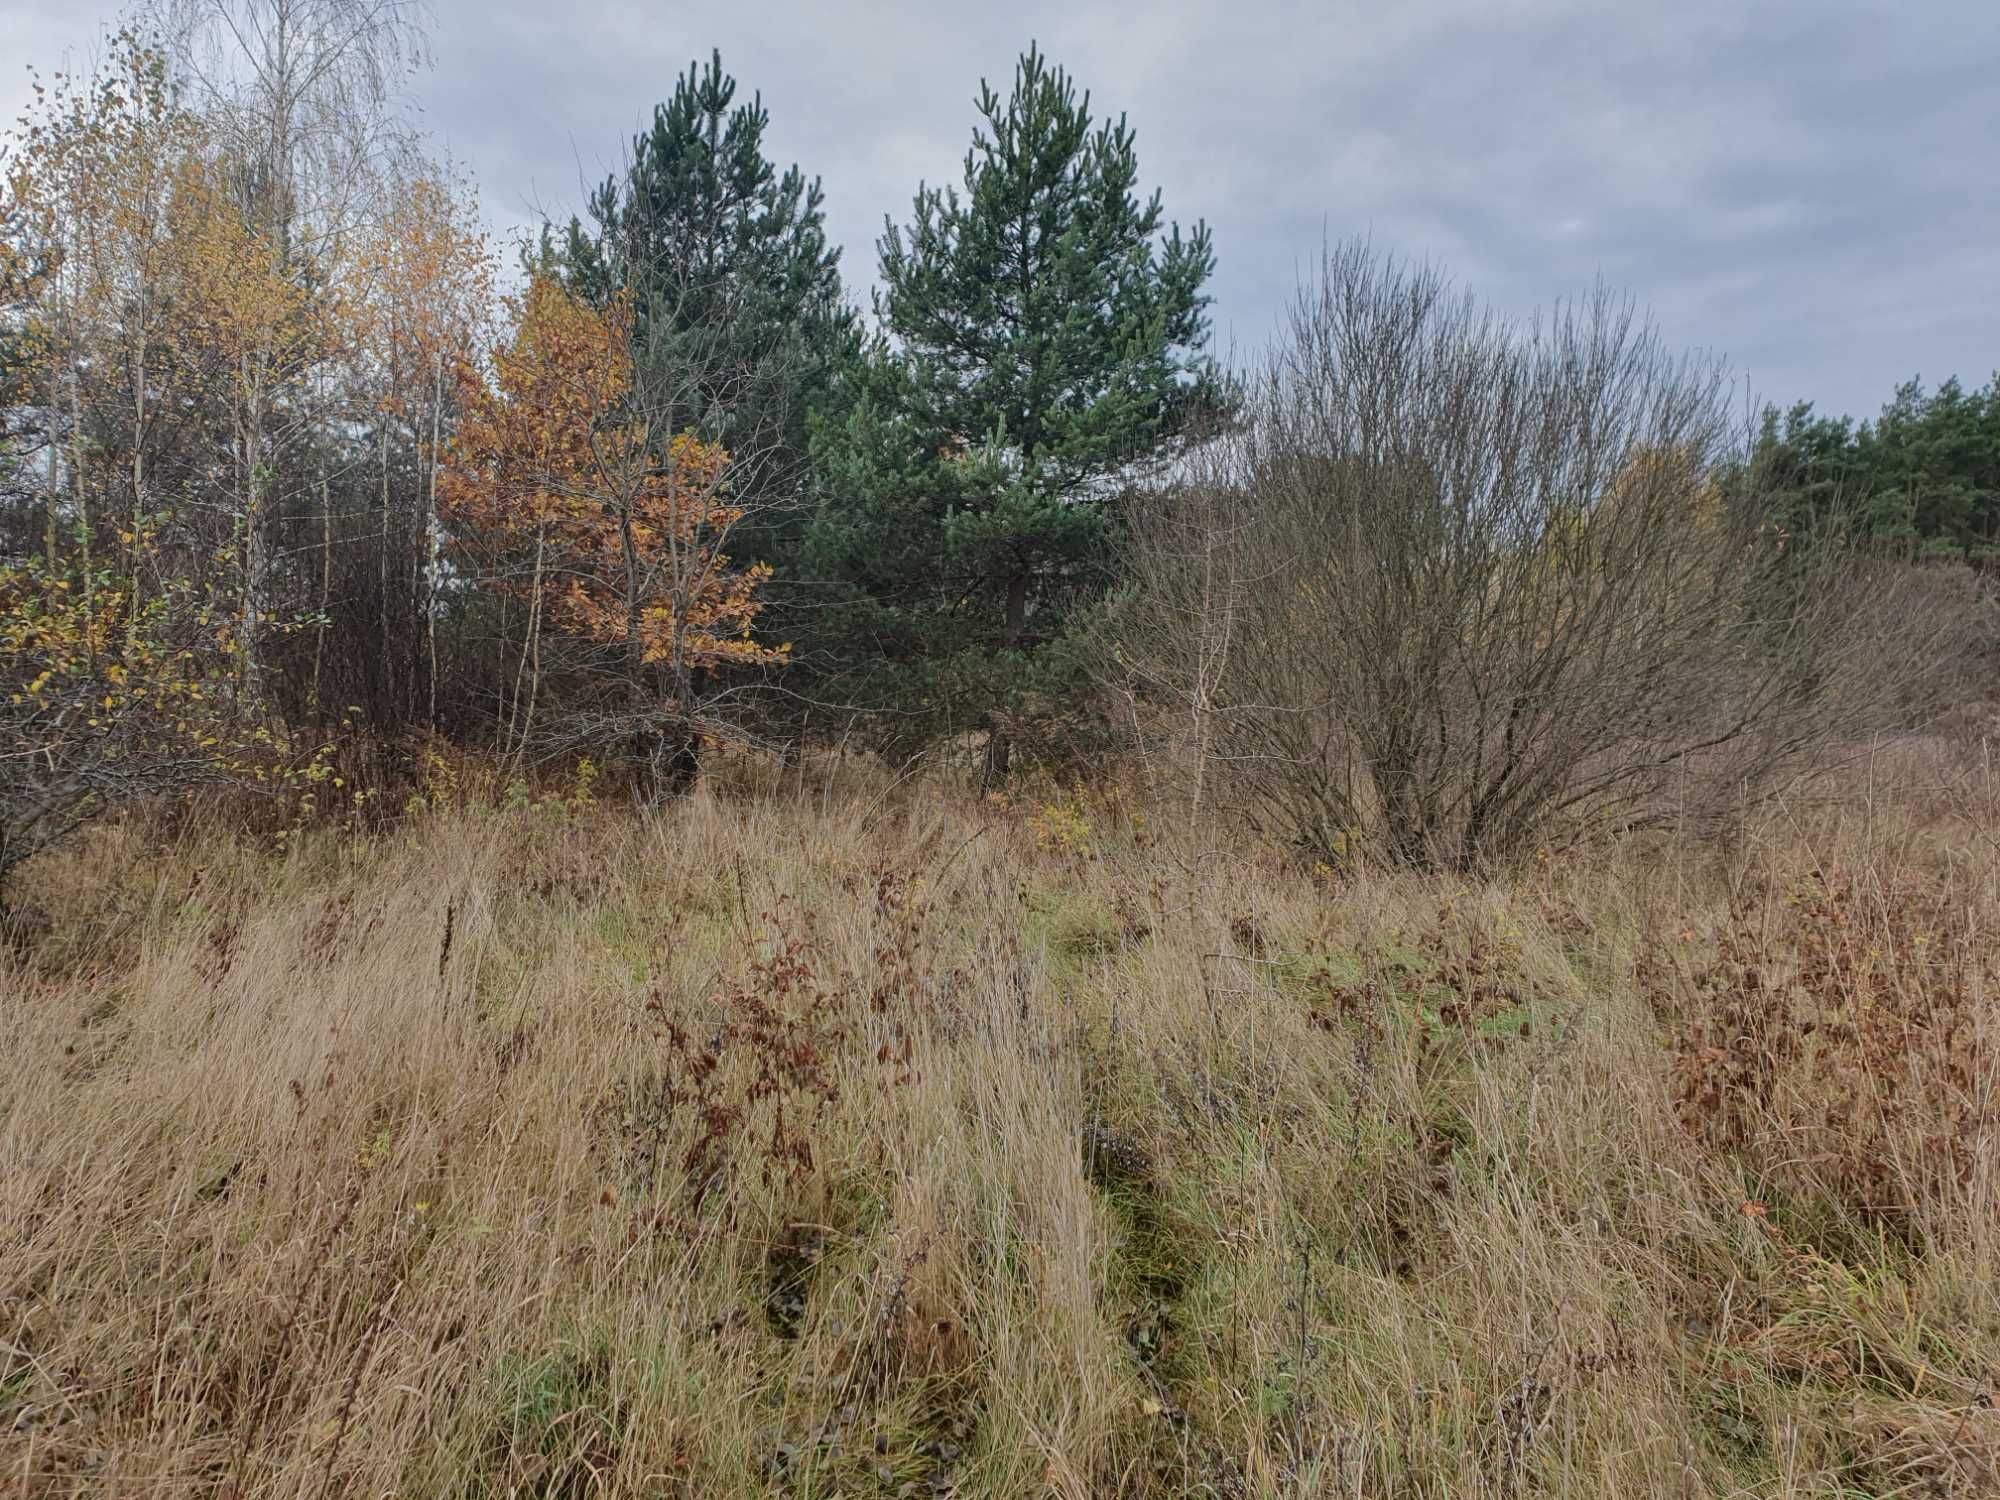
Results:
<point x="826" y="1136"/>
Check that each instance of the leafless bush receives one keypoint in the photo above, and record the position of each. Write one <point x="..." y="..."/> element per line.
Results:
<point x="1458" y="587"/>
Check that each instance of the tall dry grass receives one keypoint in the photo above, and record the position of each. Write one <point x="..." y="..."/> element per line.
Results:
<point x="848" y="1139"/>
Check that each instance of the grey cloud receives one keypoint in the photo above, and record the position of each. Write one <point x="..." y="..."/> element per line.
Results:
<point x="1808" y="187"/>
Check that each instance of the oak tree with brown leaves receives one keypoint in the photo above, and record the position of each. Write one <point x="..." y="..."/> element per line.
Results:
<point x="613" y="532"/>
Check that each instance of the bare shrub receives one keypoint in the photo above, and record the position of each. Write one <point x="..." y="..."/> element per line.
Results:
<point x="1459" y="587"/>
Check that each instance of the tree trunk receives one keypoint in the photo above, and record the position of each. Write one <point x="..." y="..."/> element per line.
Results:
<point x="433" y="548"/>
<point x="675" y="764"/>
<point x="999" y="749"/>
<point x="383" y="597"/>
<point x="325" y="587"/>
<point x="76" y="476"/>
<point x="138" y="527"/>
<point x="531" y="656"/>
<point x="256" y="559"/>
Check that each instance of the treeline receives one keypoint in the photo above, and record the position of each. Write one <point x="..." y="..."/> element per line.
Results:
<point x="1923" y="477"/>
<point x="293" y="493"/>
<point x="283" y="466"/>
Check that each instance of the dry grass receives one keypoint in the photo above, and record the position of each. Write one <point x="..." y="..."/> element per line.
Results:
<point x="849" y="1141"/>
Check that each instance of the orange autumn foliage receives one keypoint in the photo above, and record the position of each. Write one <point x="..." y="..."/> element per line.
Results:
<point x="552" y="457"/>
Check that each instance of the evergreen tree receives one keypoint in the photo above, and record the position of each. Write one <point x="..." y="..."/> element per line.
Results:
<point x="1807" y="463"/>
<point x="1933" y="467"/>
<point x="736" y="294"/>
<point x="738" y="319"/>
<point x="1044" y="341"/>
<point x="1923" y="476"/>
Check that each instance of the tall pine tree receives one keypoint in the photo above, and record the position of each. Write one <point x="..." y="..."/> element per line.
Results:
<point x="737" y="307"/>
<point x="1044" y="340"/>
<point x="739" y="321"/>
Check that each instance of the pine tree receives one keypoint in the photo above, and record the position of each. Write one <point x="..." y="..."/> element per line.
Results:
<point x="737" y="308"/>
<point x="738" y="316"/>
<point x="1044" y="341"/>
<point x="1922" y="477"/>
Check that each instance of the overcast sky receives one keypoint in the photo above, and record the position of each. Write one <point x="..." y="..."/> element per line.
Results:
<point x="1810" y="188"/>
